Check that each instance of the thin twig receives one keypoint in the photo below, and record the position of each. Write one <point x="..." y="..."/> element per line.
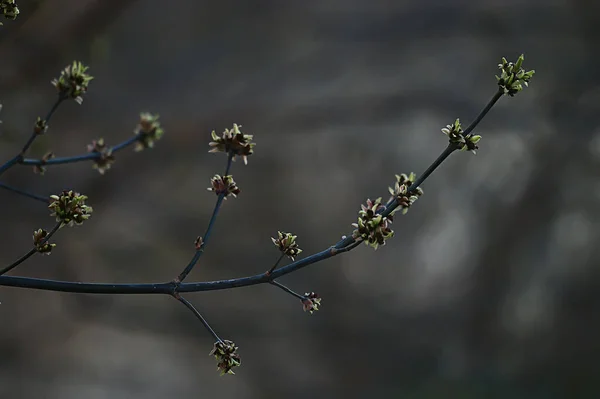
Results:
<point x="19" y="157"/>
<point x="191" y="307"/>
<point x="229" y="159"/>
<point x="34" y="135"/>
<point x="25" y="193"/>
<point x="206" y="236"/>
<point x="78" y="158"/>
<point x="31" y="251"/>
<point x="9" y="164"/>
<point x="276" y="264"/>
<point x="484" y="112"/>
<point x="286" y="289"/>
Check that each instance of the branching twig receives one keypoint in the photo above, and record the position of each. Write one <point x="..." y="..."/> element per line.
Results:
<point x="19" y="157"/>
<point x="344" y="245"/>
<point x="373" y="227"/>
<point x="79" y="158"/>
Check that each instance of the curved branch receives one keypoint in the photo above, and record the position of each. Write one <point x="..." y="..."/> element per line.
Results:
<point x="174" y="287"/>
<point x="168" y="288"/>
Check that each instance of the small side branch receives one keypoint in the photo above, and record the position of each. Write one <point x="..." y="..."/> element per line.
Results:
<point x="207" y="233"/>
<point x="286" y="289"/>
<point x="276" y="264"/>
<point x="311" y="302"/>
<point x="31" y="251"/>
<point x="35" y="134"/>
<point x="199" y="316"/>
<point x="79" y="158"/>
<point x="24" y="193"/>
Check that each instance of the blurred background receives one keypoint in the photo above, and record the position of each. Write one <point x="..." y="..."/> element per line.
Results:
<point x="490" y="288"/>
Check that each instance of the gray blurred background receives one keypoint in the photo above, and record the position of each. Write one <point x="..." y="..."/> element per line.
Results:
<point x="490" y="288"/>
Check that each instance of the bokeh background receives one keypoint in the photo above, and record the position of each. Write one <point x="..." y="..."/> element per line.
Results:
<point x="490" y="288"/>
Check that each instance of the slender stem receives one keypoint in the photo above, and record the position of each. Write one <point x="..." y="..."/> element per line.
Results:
<point x="125" y="143"/>
<point x="31" y="251"/>
<point x="206" y="236"/>
<point x="18" y="261"/>
<point x="441" y="158"/>
<point x="34" y="135"/>
<point x="229" y="159"/>
<point x="61" y="160"/>
<point x="78" y="158"/>
<point x="200" y="250"/>
<point x="191" y="307"/>
<point x="276" y="264"/>
<point x="484" y="112"/>
<point x="393" y="204"/>
<point x="24" y="193"/>
<point x="9" y="164"/>
<point x="19" y="157"/>
<point x="286" y="289"/>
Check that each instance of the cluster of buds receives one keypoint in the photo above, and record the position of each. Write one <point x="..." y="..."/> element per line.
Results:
<point x="233" y="142"/>
<point x="148" y="131"/>
<point x="104" y="156"/>
<point x="41" y="126"/>
<point x="70" y="208"/>
<point x="286" y="242"/>
<point x="457" y="137"/>
<point x="400" y="191"/>
<point x="372" y="226"/>
<point x="73" y="81"/>
<point x="40" y="242"/>
<point x="311" y="302"/>
<point x="513" y="77"/>
<point x="41" y="169"/>
<point x="227" y="357"/>
<point x="224" y="185"/>
<point x="9" y="9"/>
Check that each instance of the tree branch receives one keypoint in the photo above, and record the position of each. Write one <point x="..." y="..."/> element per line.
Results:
<point x="177" y="285"/>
